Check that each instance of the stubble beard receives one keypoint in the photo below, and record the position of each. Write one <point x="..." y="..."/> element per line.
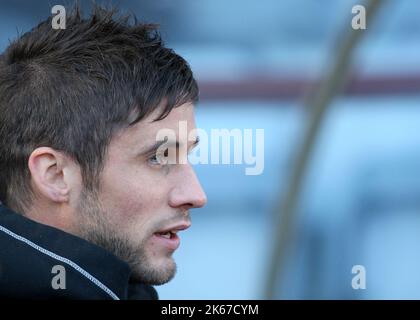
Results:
<point x="95" y="227"/>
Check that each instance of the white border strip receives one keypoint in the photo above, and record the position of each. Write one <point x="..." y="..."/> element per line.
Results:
<point x="62" y="259"/>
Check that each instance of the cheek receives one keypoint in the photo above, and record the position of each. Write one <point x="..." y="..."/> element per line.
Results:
<point x="125" y="204"/>
<point x="132" y="199"/>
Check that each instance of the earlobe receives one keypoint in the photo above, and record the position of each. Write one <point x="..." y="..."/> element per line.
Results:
<point x="47" y="174"/>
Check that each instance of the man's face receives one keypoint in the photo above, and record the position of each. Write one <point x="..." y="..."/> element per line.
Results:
<point x="140" y="198"/>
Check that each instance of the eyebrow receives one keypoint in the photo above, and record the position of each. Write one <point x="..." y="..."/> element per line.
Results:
<point x="151" y="149"/>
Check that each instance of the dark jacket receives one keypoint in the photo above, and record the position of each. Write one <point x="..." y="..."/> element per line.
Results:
<point x="30" y="250"/>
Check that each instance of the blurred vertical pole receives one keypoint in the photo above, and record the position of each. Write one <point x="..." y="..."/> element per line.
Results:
<point x="316" y="106"/>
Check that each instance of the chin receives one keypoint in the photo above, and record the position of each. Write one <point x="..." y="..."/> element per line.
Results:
<point x="154" y="272"/>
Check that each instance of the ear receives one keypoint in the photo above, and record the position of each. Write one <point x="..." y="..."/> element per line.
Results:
<point x="52" y="174"/>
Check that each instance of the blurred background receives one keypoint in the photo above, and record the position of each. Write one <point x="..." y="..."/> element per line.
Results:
<point x="260" y="64"/>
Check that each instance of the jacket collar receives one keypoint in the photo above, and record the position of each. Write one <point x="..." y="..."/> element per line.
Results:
<point x="104" y="266"/>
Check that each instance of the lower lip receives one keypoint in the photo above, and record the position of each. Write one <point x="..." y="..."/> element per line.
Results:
<point x="172" y="243"/>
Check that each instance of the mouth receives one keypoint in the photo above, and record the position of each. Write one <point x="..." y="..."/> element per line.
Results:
<point x="168" y="237"/>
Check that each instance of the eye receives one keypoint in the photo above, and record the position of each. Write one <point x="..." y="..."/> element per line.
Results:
<point x="154" y="159"/>
<point x="159" y="159"/>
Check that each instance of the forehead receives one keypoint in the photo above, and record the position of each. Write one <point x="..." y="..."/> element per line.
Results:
<point x="145" y="131"/>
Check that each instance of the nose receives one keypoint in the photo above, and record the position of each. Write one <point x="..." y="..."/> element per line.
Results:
<point x="187" y="191"/>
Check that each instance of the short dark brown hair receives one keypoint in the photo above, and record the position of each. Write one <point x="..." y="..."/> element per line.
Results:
<point x="72" y="89"/>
